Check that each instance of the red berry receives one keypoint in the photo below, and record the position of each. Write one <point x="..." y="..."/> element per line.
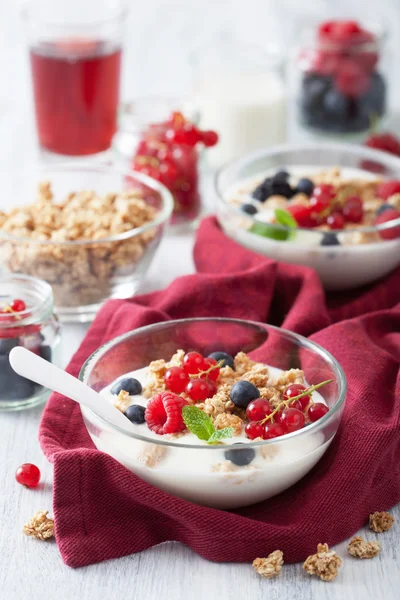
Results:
<point x="321" y="197"/>
<point x="386" y="142"/>
<point x="209" y="138"/>
<point x="254" y="430"/>
<point x="258" y="409"/>
<point x="388" y="215"/>
<point x="28" y="475"/>
<point x="351" y="79"/>
<point x="294" y="390"/>
<point x="176" y="379"/>
<point x="301" y="214"/>
<point x="353" y="209"/>
<point x="18" y="305"/>
<point x="213" y="375"/>
<point x="168" y="172"/>
<point x="316" y="411"/>
<point x="199" y="390"/>
<point x="335" y="220"/>
<point x="193" y="362"/>
<point x="164" y="413"/>
<point x="272" y="430"/>
<point x="292" y="419"/>
<point x="388" y="188"/>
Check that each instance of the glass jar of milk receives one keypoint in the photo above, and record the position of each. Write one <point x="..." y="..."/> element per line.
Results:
<point x="240" y="93"/>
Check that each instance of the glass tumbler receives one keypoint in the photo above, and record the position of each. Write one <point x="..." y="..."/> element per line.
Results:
<point x="75" y="56"/>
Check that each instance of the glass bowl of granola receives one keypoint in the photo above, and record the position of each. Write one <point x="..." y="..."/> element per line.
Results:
<point x="332" y="207"/>
<point x="222" y="412"/>
<point x="90" y="231"/>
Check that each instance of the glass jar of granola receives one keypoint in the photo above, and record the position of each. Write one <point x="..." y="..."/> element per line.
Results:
<point x="339" y="78"/>
<point x="27" y="319"/>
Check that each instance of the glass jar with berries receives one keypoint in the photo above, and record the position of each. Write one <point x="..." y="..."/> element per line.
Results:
<point x="340" y="78"/>
<point x="26" y="319"/>
<point x="158" y="140"/>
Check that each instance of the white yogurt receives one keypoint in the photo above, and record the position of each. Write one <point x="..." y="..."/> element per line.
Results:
<point x="192" y="473"/>
<point x="339" y="267"/>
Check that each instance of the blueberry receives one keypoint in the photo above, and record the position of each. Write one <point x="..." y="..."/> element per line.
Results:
<point x="314" y="89"/>
<point x="135" y="413"/>
<point x="330" y="239"/>
<point x="7" y="344"/>
<point x="384" y="207"/>
<point x="305" y="186"/>
<point x="227" y="358"/>
<point x="263" y="190"/>
<point x="374" y="99"/>
<point x="280" y="177"/>
<point x="129" y="384"/>
<point x="281" y="188"/>
<point x="336" y="105"/>
<point x="241" y="457"/>
<point x="249" y="209"/>
<point x="243" y="392"/>
<point x="13" y="386"/>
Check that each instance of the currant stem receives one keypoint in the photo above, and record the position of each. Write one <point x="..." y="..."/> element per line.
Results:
<point x="219" y="365"/>
<point x="287" y="403"/>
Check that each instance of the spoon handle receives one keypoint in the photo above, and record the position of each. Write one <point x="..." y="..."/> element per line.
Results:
<point x="33" y="367"/>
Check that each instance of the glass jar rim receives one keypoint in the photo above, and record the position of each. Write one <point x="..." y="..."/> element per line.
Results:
<point x="39" y="311"/>
<point x="28" y="16"/>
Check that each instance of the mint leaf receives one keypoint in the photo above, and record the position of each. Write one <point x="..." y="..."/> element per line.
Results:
<point x="226" y="432"/>
<point x="198" y="422"/>
<point x="269" y="232"/>
<point x="284" y="218"/>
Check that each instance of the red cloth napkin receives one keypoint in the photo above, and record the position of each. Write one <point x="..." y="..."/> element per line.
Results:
<point x="104" y="511"/>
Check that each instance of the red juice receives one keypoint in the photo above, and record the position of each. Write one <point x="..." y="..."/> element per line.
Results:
<point x="76" y="92"/>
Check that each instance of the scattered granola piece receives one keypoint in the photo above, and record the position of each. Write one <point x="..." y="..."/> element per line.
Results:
<point x="360" y="548"/>
<point x="220" y="403"/>
<point x="40" y="526"/>
<point x="380" y="521"/>
<point x="258" y="375"/>
<point x="152" y="455"/>
<point x="122" y="401"/>
<point x="228" y="420"/>
<point x="243" y="363"/>
<point x="176" y="359"/>
<point x="289" y="377"/>
<point x="270" y="566"/>
<point x="325" y="563"/>
<point x="271" y="394"/>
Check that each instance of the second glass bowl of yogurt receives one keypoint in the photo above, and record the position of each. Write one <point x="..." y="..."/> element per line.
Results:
<point x="180" y="463"/>
<point x="347" y="255"/>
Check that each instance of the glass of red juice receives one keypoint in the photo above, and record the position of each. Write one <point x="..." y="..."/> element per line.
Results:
<point x="75" y="54"/>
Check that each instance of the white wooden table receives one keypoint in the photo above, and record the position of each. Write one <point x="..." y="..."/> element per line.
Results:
<point x="33" y="570"/>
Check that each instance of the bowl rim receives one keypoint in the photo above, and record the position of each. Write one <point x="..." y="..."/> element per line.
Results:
<point x="161" y="217"/>
<point x="304" y="342"/>
<point x="360" y="151"/>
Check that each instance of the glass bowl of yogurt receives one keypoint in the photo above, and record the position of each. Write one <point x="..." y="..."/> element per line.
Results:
<point x="236" y="470"/>
<point x="332" y="207"/>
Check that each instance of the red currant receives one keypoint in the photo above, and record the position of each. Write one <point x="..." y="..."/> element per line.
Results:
<point x="294" y="390"/>
<point x="18" y="305"/>
<point x="209" y="138"/>
<point x="258" y="409"/>
<point x="254" y="430"/>
<point x="193" y="362"/>
<point x="213" y="375"/>
<point x="200" y="389"/>
<point x="321" y="197"/>
<point x="301" y="214"/>
<point x="385" y="217"/>
<point x="316" y="411"/>
<point x="353" y="209"/>
<point x="292" y="419"/>
<point x="273" y="430"/>
<point x="335" y="220"/>
<point x="176" y="379"/>
<point x="28" y="475"/>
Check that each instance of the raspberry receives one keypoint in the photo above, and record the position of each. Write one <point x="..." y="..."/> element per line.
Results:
<point x="388" y="188"/>
<point x="386" y="142"/>
<point x="164" y="413"/>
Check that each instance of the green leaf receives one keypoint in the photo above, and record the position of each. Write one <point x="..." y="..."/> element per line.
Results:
<point x="268" y="231"/>
<point x="226" y="432"/>
<point x="284" y="218"/>
<point x="198" y="422"/>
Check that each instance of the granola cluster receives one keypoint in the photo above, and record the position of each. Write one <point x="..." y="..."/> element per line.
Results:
<point x="40" y="526"/>
<point x="324" y="564"/>
<point x="380" y="521"/>
<point x="270" y="566"/>
<point x="80" y="274"/>
<point x="360" y="548"/>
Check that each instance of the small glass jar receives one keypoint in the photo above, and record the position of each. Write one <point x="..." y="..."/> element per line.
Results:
<point x="140" y="144"/>
<point x="35" y="328"/>
<point x="339" y="79"/>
